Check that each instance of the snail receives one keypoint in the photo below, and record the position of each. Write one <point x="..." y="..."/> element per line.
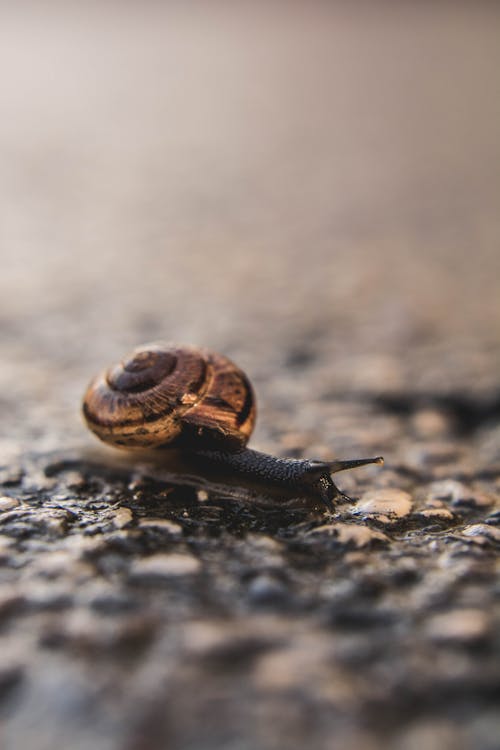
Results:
<point x="199" y="402"/>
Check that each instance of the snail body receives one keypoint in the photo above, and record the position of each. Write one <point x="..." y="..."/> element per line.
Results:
<point x="200" y="402"/>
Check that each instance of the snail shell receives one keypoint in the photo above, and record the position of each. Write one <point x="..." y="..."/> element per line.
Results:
<point x="164" y="395"/>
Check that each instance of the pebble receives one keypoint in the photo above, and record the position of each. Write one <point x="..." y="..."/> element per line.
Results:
<point x="205" y="637"/>
<point x="10" y="600"/>
<point x="351" y="534"/>
<point x="440" y="514"/>
<point x="48" y="595"/>
<point x="387" y="505"/>
<point x="494" y="518"/>
<point x="266" y="589"/>
<point x="56" y="562"/>
<point x="108" y="601"/>
<point x="457" y="493"/>
<point x="466" y="626"/>
<point x="6" y="544"/>
<point x="430" y="423"/>
<point x="482" y="533"/>
<point x="357" y="558"/>
<point x="339" y="592"/>
<point x="85" y="632"/>
<point x="293" y="666"/>
<point x="293" y="443"/>
<point x="436" y="454"/>
<point x="162" y="524"/>
<point x="481" y="499"/>
<point x="7" y="503"/>
<point x="404" y="573"/>
<point x="219" y="644"/>
<point x="74" y="480"/>
<point x="38" y="481"/>
<point x="162" y="565"/>
<point x="358" y="616"/>
<point x="54" y="525"/>
<point x="77" y="627"/>
<point x="431" y="735"/>
<point x="122" y="517"/>
<point x="264" y="543"/>
<point x="11" y="475"/>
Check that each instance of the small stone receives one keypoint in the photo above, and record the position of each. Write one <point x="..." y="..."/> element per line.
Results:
<point x="54" y="525"/>
<point x="10" y="600"/>
<point x="430" y="423"/>
<point x="356" y="559"/>
<point x="449" y="490"/>
<point x="433" y="454"/>
<point x="294" y="443"/>
<point x="162" y="565"/>
<point x="358" y="616"/>
<point x="264" y="543"/>
<point x="11" y="475"/>
<point x="493" y="518"/>
<point x="351" y="534"/>
<point x="63" y="497"/>
<point x="122" y="517"/>
<point x="107" y="601"/>
<point x="45" y="595"/>
<point x="465" y="626"/>
<point x="74" y="480"/>
<point x="481" y="499"/>
<point x="294" y="665"/>
<point x="432" y="502"/>
<point x="483" y="730"/>
<point x="204" y="637"/>
<point x="404" y="573"/>
<point x="481" y="533"/>
<point x="436" y="734"/>
<point x="78" y="628"/>
<point x="6" y="544"/>
<point x="14" y="515"/>
<point x="458" y="494"/>
<point x="266" y="589"/>
<point x="387" y="505"/>
<point x="220" y="645"/>
<point x="7" y="503"/>
<point x="162" y="524"/>
<point x="55" y="562"/>
<point x="440" y="514"/>
<point x="38" y="481"/>
<point x="85" y="632"/>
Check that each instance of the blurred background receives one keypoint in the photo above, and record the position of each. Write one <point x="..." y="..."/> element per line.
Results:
<point x="285" y="182"/>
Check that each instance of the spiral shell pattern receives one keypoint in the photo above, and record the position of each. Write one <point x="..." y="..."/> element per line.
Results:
<point x="163" y="396"/>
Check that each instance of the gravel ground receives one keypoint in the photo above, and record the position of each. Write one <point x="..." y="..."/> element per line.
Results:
<point x="313" y="193"/>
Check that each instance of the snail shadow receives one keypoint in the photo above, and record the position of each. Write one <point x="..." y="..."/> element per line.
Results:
<point x="186" y="482"/>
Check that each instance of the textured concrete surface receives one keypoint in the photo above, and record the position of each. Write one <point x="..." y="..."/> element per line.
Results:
<point x="315" y="194"/>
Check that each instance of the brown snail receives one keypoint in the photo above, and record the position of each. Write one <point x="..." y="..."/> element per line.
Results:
<point x="200" y="402"/>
